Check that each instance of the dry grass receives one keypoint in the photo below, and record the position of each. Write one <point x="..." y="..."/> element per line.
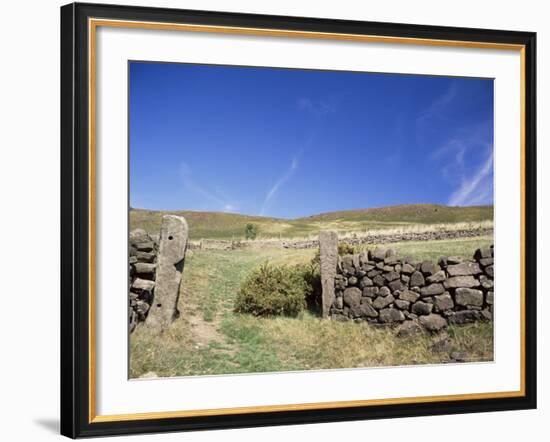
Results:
<point x="433" y="250"/>
<point x="311" y="343"/>
<point x="253" y="345"/>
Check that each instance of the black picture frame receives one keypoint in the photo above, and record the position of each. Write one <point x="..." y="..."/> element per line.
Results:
<point x="75" y="220"/>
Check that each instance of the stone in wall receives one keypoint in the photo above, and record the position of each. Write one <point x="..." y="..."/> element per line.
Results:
<point x="433" y="322"/>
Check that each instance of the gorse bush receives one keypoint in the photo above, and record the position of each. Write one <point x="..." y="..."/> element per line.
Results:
<point x="316" y="260"/>
<point x="311" y="273"/>
<point x="347" y="249"/>
<point x="274" y="290"/>
<point x="343" y="249"/>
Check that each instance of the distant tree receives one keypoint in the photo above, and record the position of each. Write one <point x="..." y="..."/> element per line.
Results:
<point x="250" y="231"/>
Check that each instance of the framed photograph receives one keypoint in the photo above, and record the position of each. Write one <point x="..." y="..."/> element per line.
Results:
<point x="273" y="220"/>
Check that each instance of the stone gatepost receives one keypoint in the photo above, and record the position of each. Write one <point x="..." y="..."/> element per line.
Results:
<point x="170" y="260"/>
<point x="328" y="251"/>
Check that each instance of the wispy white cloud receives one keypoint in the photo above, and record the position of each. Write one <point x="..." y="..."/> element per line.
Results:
<point x="452" y="156"/>
<point x="477" y="188"/>
<point x="437" y="107"/>
<point x="465" y="159"/>
<point x="434" y="113"/>
<point x="220" y="202"/>
<point x="316" y="107"/>
<point x="278" y="184"/>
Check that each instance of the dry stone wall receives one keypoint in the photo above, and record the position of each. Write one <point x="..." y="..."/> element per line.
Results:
<point x="380" y="287"/>
<point x="353" y="240"/>
<point x="143" y="251"/>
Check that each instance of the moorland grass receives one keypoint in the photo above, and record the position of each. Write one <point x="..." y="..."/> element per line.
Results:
<point x="231" y="226"/>
<point x="433" y="250"/>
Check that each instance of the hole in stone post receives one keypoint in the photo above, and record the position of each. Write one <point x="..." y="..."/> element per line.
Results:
<point x="170" y="237"/>
<point x="159" y="305"/>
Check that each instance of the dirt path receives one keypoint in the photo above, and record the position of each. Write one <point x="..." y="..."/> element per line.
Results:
<point x="204" y="333"/>
<point x="204" y="328"/>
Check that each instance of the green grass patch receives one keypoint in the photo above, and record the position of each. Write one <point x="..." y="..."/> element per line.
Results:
<point x="433" y="250"/>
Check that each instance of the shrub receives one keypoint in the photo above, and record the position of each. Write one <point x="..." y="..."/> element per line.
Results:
<point x="311" y="273"/>
<point x="343" y="249"/>
<point x="273" y="290"/>
<point x="250" y="231"/>
<point x="316" y="260"/>
<point x="347" y="249"/>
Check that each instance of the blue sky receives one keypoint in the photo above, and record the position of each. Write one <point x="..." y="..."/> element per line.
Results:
<point x="288" y="143"/>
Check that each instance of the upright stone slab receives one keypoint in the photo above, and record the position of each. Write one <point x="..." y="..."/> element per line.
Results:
<point x="328" y="249"/>
<point x="173" y="242"/>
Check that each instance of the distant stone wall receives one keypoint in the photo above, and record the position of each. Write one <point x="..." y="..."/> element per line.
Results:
<point x="358" y="239"/>
<point x="379" y="287"/>
<point x="435" y="235"/>
<point x="216" y="244"/>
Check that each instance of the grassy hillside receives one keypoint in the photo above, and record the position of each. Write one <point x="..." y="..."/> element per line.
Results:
<point x="413" y="213"/>
<point x="221" y="225"/>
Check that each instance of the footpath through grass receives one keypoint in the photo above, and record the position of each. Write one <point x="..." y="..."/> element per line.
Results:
<point x="209" y="338"/>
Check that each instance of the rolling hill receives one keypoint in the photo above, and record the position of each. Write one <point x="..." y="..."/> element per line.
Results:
<point x="221" y="225"/>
